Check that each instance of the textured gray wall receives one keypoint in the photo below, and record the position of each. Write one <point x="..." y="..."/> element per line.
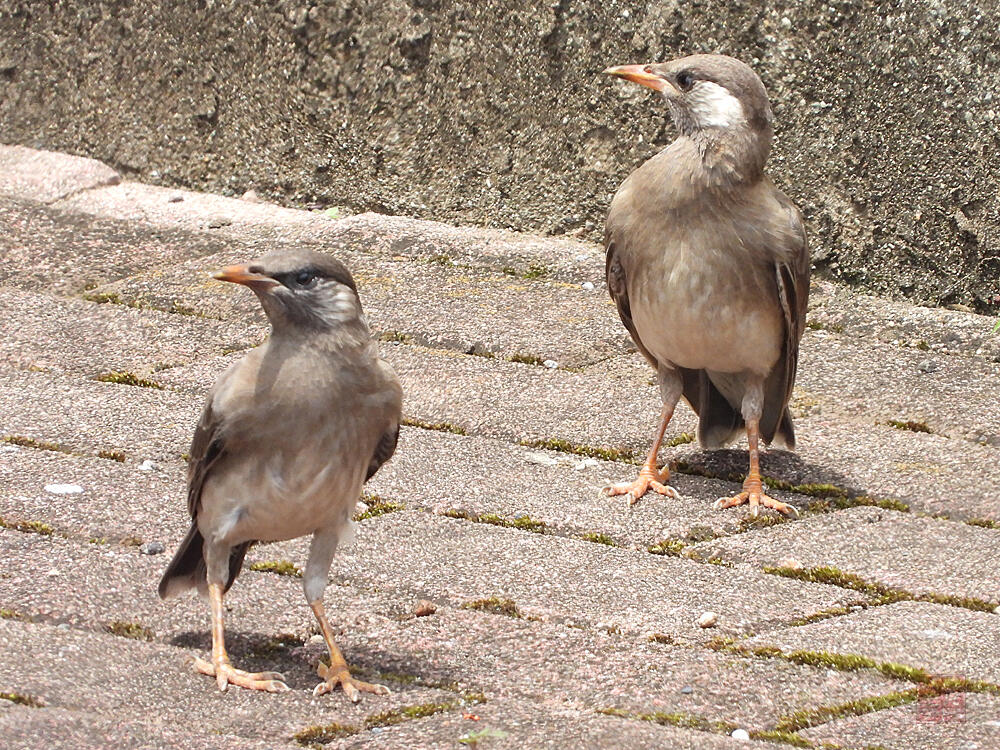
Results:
<point x="494" y="112"/>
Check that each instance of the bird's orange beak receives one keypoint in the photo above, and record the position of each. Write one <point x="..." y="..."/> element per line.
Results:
<point x="242" y="275"/>
<point x="637" y="74"/>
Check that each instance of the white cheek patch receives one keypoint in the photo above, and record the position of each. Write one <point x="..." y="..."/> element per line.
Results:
<point x="711" y="105"/>
<point x="340" y="307"/>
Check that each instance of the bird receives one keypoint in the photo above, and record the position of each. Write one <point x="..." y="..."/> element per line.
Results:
<point x="287" y="437"/>
<point x="708" y="264"/>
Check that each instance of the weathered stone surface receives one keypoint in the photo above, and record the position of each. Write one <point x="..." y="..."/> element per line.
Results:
<point x="946" y="641"/>
<point x="918" y="555"/>
<point x="47" y="176"/>
<point x="498" y="114"/>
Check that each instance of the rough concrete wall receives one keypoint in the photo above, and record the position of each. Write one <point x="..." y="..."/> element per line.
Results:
<point x="494" y="112"/>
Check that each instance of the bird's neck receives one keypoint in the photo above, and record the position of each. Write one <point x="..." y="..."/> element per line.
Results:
<point x="720" y="159"/>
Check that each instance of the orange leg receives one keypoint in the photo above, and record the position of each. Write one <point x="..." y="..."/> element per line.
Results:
<point x="650" y="478"/>
<point x="753" y="488"/>
<point x="221" y="668"/>
<point x="337" y="673"/>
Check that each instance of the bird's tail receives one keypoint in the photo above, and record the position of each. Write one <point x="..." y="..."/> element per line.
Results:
<point x="187" y="570"/>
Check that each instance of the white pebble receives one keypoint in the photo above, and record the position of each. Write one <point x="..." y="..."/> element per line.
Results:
<point x="64" y="489"/>
<point x="585" y="464"/>
<point x="148" y="465"/>
<point x="740" y="734"/>
<point x="587" y="286"/>
<point x="542" y="458"/>
<point x="708" y="620"/>
<point x="551" y="364"/>
<point x="316" y="639"/>
<point x="581" y="258"/>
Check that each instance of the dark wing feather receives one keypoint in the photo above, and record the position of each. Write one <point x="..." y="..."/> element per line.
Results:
<point x="383" y="451"/>
<point x="618" y="289"/>
<point x="792" y="280"/>
<point x="207" y="447"/>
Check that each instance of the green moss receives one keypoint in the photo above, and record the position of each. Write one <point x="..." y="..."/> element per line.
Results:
<point x="276" y="644"/>
<point x="494" y="605"/>
<point x="397" y="337"/>
<point x="683" y="439"/>
<point x="97" y="540"/>
<point x="785" y="738"/>
<point x="810" y="717"/>
<point x="324" y="734"/>
<point x="910" y="426"/>
<point x="823" y="614"/>
<point x="111" y="455"/>
<point x="668" y="548"/>
<point x="533" y="271"/>
<point x="673" y="719"/>
<point x="881" y="593"/>
<point x="21" y="699"/>
<point x="598" y="538"/>
<point x="105" y="298"/>
<point x="661" y="638"/>
<point x="458" y="513"/>
<point x="407" y="713"/>
<point x="564" y="446"/>
<point x="816" y="325"/>
<point x="28" y="527"/>
<point x="378" y="507"/>
<point x="127" y="378"/>
<point x="762" y="521"/>
<point x="42" y="445"/>
<point x="524" y="522"/>
<point x="525" y="359"/>
<point x="10" y="614"/>
<point x="986" y="523"/>
<point x="133" y="630"/>
<point x="278" y="567"/>
<point x="436" y="426"/>
<point x="441" y="259"/>
<point x="131" y="541"/>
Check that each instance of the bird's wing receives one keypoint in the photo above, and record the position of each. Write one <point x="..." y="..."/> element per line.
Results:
<point x="207" y="447"/>
<point x="618" y="289"/>
<point x="792" y="278"/>
<point x="384" y="450"/>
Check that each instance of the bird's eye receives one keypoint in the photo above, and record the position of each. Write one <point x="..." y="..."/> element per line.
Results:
<point x="305" y="279"/>
<point x="685" y="80"/>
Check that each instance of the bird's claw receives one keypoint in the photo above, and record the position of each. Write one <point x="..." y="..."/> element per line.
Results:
<point x="647" y="480"/>
<point x="755" y="499"/>
<point x="352" y="688"/>
<point x="226" y="674"/>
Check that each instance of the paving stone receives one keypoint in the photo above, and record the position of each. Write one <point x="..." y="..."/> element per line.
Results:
<point x="31" y="728"/>
<point x="70" y="253"/>
<point x="507" y="659"/>
<point x="45" y="332"/>
<point x="919" y="555"/>
<point x="943" y="640"/>
<point x="959" y="721"/>
<point x="47" y="176"/>
<point x="92" y="672"/>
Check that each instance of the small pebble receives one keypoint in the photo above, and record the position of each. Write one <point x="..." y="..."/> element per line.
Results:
<point x="581" y="258"/>
<point x="251" y="196"/>
<point x="928" y="365"/>
<point x="740" y="734"/>
<point x="708" y="620"/>
<point x="789" y="562"/>
<point x="152" y="548"/>
<point x="424" y="608"/>
<point x="551" y="364"/>
<point x="542" y="458"/>
<point x="148" y="465"/>
<point x="53" y="573"/>
<point x="175" y="199"/>
<point x="315" y="639"/>
<point x="219" y="221"/>
<point x="585" y="464"/>
<point x="587" y="286"/>
<point x="64" y="489"/>
<point x="687" y="690"/>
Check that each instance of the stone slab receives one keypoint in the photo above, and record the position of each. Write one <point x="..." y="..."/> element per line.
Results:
<point x="47" y="176"/>
<point x="943" y="640"/>
<point x="919" y="555"/>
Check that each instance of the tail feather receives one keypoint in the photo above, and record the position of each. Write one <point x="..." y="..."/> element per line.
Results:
<point x="187" y="568"/>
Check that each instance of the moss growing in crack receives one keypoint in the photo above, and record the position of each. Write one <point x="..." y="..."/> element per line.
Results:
<point x="112" y="455"/>
<point x="436" y="426"/>
<point x="598" y="538"/>
<point x="674" y="719"/>
<point x="683" y="439"/>
<point x="881" y="593"/>
<point x="840" y="503"/>
<point x="377" y="507"/>
<point x="278" y="567"/>
<point x="396" y="337"/>
<point x="494" y="605"/>
<point x="407" y="713"/>
<point x="661" y="638"/>
<point x="10" y="614"/>
<point x="133" y="630"/>
<point x="21" y="699"/>
<point x="910" y="426"/>
<point x="127" y="378"/>
<point x="106" y="298"/>
<point x="42" y="445"/>
<point x="565" y="446"/>
<point x="668" y="548"/>
<point x="785" y="738"/>
<point x="985" y="523"/>
<point x="810" y="717"/>
<point x="823" y="614"/>
<point x="524" y="522"/>
<point x="762" y="521"/>
<point x="533" y="271"/>
<point x="28" y="527"/>
<point x="525" y="359"/>
<point x="324" y="734"/>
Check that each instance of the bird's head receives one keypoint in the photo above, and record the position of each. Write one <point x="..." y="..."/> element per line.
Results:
<point x="706" y="93"/>
<point x="302" y="289"/>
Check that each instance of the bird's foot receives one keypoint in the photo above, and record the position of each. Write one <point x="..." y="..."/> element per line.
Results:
<point x="226" y="674"/>
<point x="334" y="676"/>
<point x="753" y="495"/>
<point x="649" y="479"/>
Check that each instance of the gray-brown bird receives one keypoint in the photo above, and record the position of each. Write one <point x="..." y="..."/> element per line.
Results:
<point x="288" y="437"/>
<point x="708" y="265"/>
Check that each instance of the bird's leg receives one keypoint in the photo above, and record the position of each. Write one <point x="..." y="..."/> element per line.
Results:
<point x="650" y="477"/>
<point x="324" y="544"/>
<point x="753" y="487"/>
<point x="221" y="668"/>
